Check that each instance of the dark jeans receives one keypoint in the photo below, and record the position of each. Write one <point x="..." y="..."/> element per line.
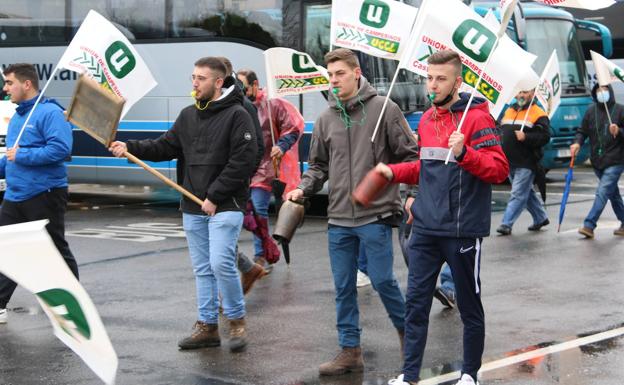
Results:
<point x="50" y="205"/>
<point x="426" y="256"/>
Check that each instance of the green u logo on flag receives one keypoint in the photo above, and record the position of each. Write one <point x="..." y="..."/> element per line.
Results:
<point x="474" y="39"/>
<point x="67" y="312"/>
<point x="302" y="63"/>
<point x="119" y="59"/>
<point x="374" y="13"/>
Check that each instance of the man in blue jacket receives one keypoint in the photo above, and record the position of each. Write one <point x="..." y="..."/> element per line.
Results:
<point x="34" y="168"/>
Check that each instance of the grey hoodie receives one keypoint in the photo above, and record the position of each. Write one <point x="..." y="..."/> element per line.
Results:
<point x="344" y="155"/>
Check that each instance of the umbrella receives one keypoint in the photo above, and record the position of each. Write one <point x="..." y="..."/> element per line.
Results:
<point x="566" y="191"/>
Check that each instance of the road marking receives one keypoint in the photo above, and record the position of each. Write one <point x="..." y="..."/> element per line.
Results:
<point x="134" y="232"/>
<point x="508" y="361"/>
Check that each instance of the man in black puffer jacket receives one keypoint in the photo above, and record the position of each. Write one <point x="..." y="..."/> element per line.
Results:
<point x="607" y="154"/>
<point x="216" y="139"/>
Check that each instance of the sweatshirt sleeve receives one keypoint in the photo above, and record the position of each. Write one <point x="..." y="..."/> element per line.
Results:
<point x="57" y="135"/>
<point x="407" y="173"/>
<point x="3" y="161"/>
<point x="399" y="136"/>
<point x="484" y="157"/>
<point x="318" y="163"/>
<point x="165" y="147"/>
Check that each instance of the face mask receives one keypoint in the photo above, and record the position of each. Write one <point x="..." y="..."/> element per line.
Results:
<point x="521" y="102"/>
<point x="602" y="96"/>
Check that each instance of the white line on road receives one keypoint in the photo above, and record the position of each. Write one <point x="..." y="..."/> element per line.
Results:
<point x="529" y="355"/>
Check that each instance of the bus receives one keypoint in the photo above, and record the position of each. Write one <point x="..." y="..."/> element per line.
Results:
<point x="539" y="29"/>
<point x="170" y="35"/>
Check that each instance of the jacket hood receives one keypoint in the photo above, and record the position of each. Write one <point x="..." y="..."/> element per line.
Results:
<point x="611" y="101"/>
<point x="25" y="106"/>
<point x="365" y="92"/>
<point x="476" y="102"/>
<point x="231" y="96"/>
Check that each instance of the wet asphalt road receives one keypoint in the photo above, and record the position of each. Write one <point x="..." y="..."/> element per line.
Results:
<point x="539" y="289"/>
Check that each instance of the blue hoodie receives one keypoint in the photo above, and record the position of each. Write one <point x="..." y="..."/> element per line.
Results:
<point x="43" y="148"/>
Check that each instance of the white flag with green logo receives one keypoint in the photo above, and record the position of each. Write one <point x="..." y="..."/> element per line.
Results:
<point x="376" y="27"/>
<point x="30" y="258"/>
<point x="291" y="72"/>
<point x="606" y="71"/>
<point x="450" y="24"/>
<point x="548" y="92"/>
<point x="102" y="52"/>
<point x="586" y="4"/>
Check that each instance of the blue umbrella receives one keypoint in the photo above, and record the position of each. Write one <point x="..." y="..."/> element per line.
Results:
<point x="566" y="191"/>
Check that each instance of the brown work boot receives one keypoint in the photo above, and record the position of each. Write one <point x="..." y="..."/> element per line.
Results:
<point x="204" y="336"/>
<point x="401" y="338"/>
<point x="348" y="360"/>
<point x="238" y="335"/>
<point x="587" y="232"/>
<point x="619" y="231"/>
<point x="250" y="277"/>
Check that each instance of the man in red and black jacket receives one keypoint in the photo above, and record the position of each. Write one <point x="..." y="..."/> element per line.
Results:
<point x="452" y="211"/>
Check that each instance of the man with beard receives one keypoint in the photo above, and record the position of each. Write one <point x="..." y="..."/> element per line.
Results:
<point x="216" y="139"/>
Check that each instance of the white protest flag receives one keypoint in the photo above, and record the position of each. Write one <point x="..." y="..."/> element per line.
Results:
<point x="548" y="92"/>
<point x="606" y="71"/>
<point x="450" y="24"/>
<point x="291" y="72"/>
<point x="375" y="27"/>
<point x="586" y="4"/>
<point x="102" y="52"/>
<point x="30" y="258"/>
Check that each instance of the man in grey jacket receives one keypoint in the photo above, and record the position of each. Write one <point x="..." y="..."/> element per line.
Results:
<point x="341" y="151"/>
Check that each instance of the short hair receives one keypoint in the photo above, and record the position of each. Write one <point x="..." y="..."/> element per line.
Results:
<point x="342" y="54"/>
<point x="447" y="56"/>
<point x="23" y="72"/>
<point x="214" y="63"/>
<point x="249" y="75"/>
<point x="227" y="63"/>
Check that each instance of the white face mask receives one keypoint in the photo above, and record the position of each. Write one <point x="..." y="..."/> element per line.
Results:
<point x="602" y="96"/>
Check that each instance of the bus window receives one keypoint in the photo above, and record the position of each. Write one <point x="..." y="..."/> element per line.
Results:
<point x="317" y="25"/>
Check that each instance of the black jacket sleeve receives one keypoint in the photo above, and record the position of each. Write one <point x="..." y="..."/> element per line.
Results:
<point x="583" y="132"/>
<point x="240" y="165"/>
<point x="540" y="134"/>
<point x="165" y="147"/>
<point x="253" y="112"/>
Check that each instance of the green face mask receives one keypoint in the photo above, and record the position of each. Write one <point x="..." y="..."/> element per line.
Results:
<point x="521" y="102"/>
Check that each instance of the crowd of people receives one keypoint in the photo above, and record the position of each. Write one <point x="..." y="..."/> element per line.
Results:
<point x="233" y="143"/>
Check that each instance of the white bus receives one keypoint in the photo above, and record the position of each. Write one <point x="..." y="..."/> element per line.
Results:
<point x="170" y="35"/>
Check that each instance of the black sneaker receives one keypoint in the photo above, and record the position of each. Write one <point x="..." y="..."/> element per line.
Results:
<point x="538" y="226"/>
<point x="504" y="230"/>
<point x="447" y="297"/>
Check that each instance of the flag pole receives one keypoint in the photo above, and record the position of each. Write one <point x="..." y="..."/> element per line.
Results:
<point x="19" y="136"/>
<point x="383" y="108"/>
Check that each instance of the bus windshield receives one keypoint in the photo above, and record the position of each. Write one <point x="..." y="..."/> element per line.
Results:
<point x="544" y="35"/>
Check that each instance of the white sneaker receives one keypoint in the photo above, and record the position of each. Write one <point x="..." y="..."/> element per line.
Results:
<point x="466" y="380"/>
<point x="398" y="381"/>
<point x="3" y="316"/>
<point x="362" y="279"/>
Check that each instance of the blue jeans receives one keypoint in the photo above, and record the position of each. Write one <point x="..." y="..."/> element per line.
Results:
<point x="260" y="199"/>
<point x="446" y="279"/>
<point x="607" y="190"/>
<point x="523" y="195"/>
<point x="212" y="247"/>
<point x="362" y="259"/>
<point x="344" y="246"/>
